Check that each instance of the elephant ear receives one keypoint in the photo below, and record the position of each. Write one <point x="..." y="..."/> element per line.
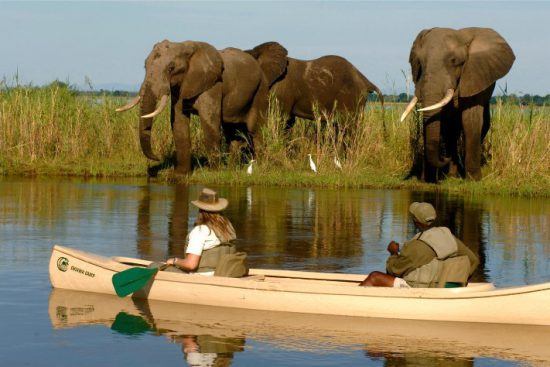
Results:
<point x="489" y="59"/>
<point x="204" y="70"/>
<point x="272" y="58"/>
<point x="413" y="57"/>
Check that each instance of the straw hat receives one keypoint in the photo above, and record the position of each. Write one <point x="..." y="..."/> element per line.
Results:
<point x="208" y="200"/>
<point x="423" y="212"/>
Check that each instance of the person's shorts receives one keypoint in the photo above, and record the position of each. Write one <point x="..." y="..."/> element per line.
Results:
<point x="400" y="283"/>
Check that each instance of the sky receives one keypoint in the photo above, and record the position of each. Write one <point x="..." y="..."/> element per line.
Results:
<point x="107" y="42"/>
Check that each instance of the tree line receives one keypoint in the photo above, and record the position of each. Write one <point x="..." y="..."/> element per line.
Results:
<point x="523" y="100"/>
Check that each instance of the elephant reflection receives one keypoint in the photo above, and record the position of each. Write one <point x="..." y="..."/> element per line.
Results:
<point x="458" y="66"/>
<point x="306" y="226"/>
<point x="177" y="224"/>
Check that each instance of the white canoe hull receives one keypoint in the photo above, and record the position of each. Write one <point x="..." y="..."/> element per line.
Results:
<point x="307" y="292"/>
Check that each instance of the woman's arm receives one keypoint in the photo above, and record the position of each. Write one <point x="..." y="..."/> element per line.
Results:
<point x="190" y="263"/>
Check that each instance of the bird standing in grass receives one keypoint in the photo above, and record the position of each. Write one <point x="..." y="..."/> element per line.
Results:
<point x="337" y="163"/>
<point x="312" y="164"/>
<point x="249" y="169"/>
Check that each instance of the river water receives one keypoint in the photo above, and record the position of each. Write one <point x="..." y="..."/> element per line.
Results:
<point x="304" y="229"/>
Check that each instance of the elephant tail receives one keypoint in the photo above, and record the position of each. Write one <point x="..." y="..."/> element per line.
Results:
<point x="380" y="95"/>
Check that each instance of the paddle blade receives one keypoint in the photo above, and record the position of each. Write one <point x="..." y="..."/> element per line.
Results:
<point x="131" y="280"/>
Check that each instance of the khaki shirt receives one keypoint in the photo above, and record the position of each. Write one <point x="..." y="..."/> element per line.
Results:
<point x="416" y="253"/>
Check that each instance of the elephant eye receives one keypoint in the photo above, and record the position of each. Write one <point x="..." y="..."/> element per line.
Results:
<point x="455" y="61"/>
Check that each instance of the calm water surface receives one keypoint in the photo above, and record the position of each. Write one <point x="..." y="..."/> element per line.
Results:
<point x="320" y="230"/>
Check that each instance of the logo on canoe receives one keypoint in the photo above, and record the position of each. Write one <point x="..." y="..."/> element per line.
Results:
<point x="62" y="263"/>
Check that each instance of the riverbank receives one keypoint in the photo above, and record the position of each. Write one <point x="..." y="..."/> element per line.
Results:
<point x="55" y="131"/>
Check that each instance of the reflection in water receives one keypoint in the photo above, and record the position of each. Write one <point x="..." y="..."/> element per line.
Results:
<point x="416" y="359"/>
<point x="310" y="229"/>
<point x="201" y="346"/>
<point x="208" y="350"/>
<point x="323" y="230"/>
<point x="203" y="350"/>
<point x="143" y="226"/>
<point x="178" y="221"/>
<point x="317" y="229"/>
<point x="212" y="336"/>
<point x="177" y="226"/>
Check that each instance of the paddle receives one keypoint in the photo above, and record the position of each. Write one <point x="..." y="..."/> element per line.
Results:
<point x="133" y="279"/>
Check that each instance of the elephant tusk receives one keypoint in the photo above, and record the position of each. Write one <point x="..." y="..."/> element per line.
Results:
<point x="159" y="108"/>
<point x="443" y="102"/>
<point x="131" y="104"/>
<point x="409" y="108"/>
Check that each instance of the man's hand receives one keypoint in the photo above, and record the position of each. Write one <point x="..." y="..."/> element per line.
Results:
<point x="393" y="248"/>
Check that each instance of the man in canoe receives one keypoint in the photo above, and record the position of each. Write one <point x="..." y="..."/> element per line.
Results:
<point x="432" y="258"/>
<point x="209" y="242"/>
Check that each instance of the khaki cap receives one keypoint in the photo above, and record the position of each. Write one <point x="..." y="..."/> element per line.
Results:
<point x="423" y="212"/>
<point x="208" y="200"/>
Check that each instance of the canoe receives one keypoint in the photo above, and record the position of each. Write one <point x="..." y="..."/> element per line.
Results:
<point x="309" y="292"/>
<point x="301" y="332"/>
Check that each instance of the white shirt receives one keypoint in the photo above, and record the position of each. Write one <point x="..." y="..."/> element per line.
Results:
<point x="202" y="238"/>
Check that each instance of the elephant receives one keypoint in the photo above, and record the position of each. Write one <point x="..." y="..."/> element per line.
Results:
<point x="459" y="66"/>
<point x="222" y="87"/>
<point x="331" y="82"/>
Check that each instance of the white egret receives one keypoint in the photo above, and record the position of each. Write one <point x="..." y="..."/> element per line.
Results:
<point x="312" y="164"/>
<point x="249" y="169"/>
<point x="337" y="162"/>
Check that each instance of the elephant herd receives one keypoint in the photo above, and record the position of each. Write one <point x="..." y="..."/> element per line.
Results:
<point x="454" y="72"/>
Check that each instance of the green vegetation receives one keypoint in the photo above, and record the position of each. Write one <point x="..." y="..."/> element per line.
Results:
<point x="55" y="130"/>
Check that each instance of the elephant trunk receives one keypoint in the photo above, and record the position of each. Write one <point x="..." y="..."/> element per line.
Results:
<point x="148" y="110"/>
<point x="432" y="137"/>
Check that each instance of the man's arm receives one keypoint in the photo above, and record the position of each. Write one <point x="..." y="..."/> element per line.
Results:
<point x="399" y="263"/>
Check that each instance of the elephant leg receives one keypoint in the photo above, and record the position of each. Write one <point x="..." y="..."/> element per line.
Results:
<point x="472" y="123"/>
<point x="290" y="123"/>
<point x="209" y="105"/>
<point x="486" y="120"/>
<point x="182" y="137"/>
<point x="256" y="119"/>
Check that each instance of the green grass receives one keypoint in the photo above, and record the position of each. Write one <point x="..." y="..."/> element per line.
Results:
<point x="54" y="131"/>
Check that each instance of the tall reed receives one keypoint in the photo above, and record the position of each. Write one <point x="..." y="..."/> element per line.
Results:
<point x="54" y="130"/>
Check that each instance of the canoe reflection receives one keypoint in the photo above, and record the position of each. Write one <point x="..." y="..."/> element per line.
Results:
<point x="211" y="336"/>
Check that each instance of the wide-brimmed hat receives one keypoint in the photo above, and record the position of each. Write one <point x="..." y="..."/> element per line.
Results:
<point x="423" y="212"/>
<point x="208" y="200"/>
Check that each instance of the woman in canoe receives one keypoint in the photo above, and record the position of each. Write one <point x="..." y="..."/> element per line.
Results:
<point x="210" y="240"/>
